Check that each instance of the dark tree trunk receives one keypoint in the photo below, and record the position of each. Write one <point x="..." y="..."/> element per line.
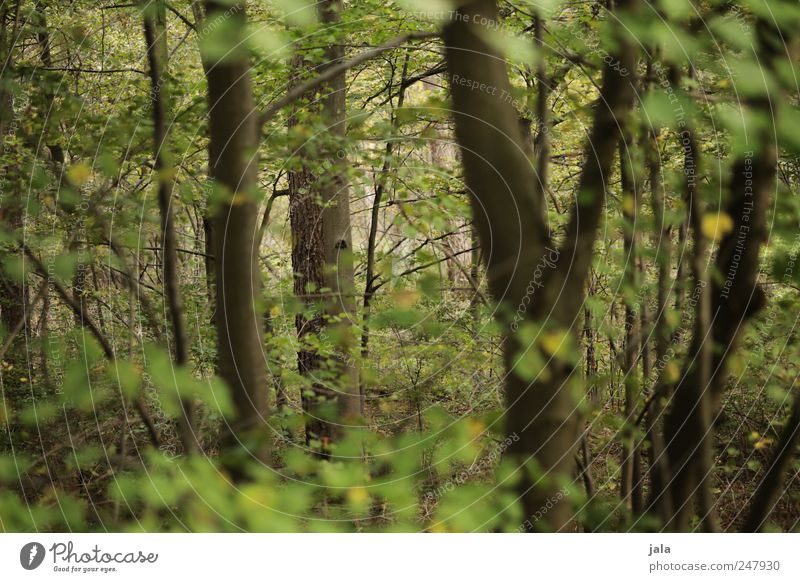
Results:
<point x="233" y="122"/>
<point x="507" y="209"/>
<point x="156" y="38"/>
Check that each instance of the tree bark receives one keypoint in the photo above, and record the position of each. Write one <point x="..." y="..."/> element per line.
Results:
<point x="322" y="258"/>
<point x="507" y="210"/>
<point x="233" y="165"/>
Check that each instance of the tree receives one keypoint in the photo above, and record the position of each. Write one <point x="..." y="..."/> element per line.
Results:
<point x="542" y="410"/>
<point x="233" y="165"/>
<point x="322" y="257"/>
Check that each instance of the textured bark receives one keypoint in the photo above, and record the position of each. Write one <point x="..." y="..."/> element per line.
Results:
<point x="507" y="211"/>
<point x="233" y="165"/>
<point x="322" y="260"/>
<point x="308" y="260"/>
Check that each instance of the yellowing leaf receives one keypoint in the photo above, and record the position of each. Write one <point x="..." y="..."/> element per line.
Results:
<point x="553" y="341"/>
<point x="476" y="428"/>
<point x="628" y="205"/>
<point x="357" y="495"/>
<point x="716" y="226"/>
<point x="671" y="372"/>
<point x="762" y="443"/>
<point x="79" y="174"/>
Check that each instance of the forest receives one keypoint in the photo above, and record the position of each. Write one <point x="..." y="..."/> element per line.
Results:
<point x="399" y="266"/>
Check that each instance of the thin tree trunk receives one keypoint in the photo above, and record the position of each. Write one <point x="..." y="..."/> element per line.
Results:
<point x="155" y="36"/>
<point x="687" y="424"/>
<point x="630" y="211"/>
<point x="383" y="179"/>
<point x="658" y="501"/>
<point x="43" y="37"/>
<point x="542" y="149"/>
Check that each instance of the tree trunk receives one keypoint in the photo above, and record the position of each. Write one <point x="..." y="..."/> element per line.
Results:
<point x="233" y="122"/>
<point x="733" y="298"/>
<point x="383" y="180"/>
<point x="156" y="38"/>
<point x="337" y="233"/>
<point x="12" y="291"/>
<point x="653" y="415"/>
<point x="630" y="285"/>
<point x="322" y="259"/>
<point x="508" y="212"/>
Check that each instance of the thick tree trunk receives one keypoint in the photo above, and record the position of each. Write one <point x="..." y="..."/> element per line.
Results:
<point x="308" y="260"/>
<point x="508" y="212"/>
<point x="336" y="232"/>
<point x="233" y="122"/>
<point x="12" y="292"/>
<point x="322" y="259"/>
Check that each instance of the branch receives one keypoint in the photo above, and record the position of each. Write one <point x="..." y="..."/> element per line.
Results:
<point x="331" y="72"/>
<point x="88" y="323"/>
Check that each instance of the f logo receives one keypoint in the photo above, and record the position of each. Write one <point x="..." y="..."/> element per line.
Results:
<point x="31" y="555"/>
